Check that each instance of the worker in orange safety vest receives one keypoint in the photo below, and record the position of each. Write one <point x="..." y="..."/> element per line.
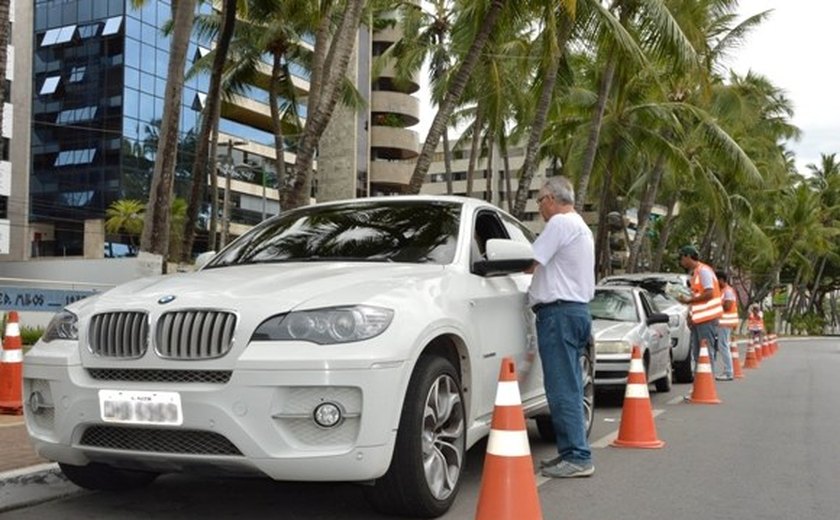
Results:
<point x="705" y="305"/>
<point x="727" y="325"/>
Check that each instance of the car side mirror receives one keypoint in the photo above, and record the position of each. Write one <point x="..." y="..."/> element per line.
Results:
<point x="658" y="317"/>
<point x="202" y="259"/>
<point x="504" y="256"/>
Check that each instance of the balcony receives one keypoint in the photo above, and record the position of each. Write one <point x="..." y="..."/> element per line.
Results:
<point x="394" y="143"/>
<point x="394" y="173"/>
<point x="403" y="105"/>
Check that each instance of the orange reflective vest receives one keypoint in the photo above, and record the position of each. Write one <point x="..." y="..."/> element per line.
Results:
<point x="708" y="310"/>
<point x="755" y="321"/>
<point x="729" y="318"/>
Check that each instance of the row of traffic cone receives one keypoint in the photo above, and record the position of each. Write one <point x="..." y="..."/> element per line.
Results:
<point x="11" y="368"/>
<point x="508" y="487"/>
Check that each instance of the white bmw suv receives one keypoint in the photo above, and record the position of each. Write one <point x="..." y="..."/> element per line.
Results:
<point x="350" y="341"/>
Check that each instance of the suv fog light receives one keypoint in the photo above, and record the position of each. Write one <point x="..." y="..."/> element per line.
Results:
<point x="327" y="415"/>
<point x="37" y="403"/>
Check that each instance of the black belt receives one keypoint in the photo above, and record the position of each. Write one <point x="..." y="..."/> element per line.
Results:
<point x="537" y="306"/>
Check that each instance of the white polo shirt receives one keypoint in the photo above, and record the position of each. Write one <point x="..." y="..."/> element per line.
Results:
<point x="565" y="251"/>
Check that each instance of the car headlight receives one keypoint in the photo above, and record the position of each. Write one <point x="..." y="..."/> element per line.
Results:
<point x="64" y="325"/>
<point x="326" y="326"/>
<point x="674" y="320"/>
<point x="612" y="347"/>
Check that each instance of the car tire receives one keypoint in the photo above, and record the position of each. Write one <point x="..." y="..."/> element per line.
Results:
<point x="664" y="384"/>
<point x="545" y="427"/>
<point x="101" y="477"/>
<point x="683" y="372"/>
<point x="430" y="451"/>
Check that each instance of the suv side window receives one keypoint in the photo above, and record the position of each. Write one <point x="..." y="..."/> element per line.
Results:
<point x="517" y="231"/>
<point x="487" y="225"/>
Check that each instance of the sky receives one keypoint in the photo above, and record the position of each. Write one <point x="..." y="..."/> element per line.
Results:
<point x="797" y="49"/>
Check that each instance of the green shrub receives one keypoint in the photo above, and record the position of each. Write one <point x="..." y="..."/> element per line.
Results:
<point x="31" y="335"/>
<point x="809" y="323"/>
<point x="770" y="321"/>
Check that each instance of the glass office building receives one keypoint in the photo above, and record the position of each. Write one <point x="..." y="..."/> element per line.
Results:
<point x="99" y="74"/>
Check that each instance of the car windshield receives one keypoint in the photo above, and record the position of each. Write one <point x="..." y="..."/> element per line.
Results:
<point x="615" y="305"/>
<point x="371" y="231"/>
<point x="662" y="290"/>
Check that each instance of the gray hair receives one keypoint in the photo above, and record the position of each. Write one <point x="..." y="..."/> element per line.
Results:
<point x="561" y="188"/>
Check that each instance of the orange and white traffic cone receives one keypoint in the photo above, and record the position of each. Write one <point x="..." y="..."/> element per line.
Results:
<point x="637" y="428"/>
<point x="751" y="361"/>
<point x="508" y="486"/>
<point x="737" y="371"/>
<point x="704" y="391"/>
<point x="11" y="365"/>
<point x="759" y="352"/>
<point x="774" y="344"/>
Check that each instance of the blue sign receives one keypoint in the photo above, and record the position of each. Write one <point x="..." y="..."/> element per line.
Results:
<point x="29" y="299"/>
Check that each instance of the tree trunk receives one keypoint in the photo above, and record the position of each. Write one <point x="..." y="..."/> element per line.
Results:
<point x="643" y="216"/>
<point x="506" y="159"/>
<point x="447" y="162"/>
<point x="606" y="204"/>
<point x="277" y="73"/>
<point x="208" y="123"/>
<point x="214" y="187"/>
<point x="594" y="134"/>
<point x="817" y="281"/>
<point x="529" y="164"/>
<point x="322" y="102"/>
<point x="475" y="149"/>
<point x="488" y="191"/>
<point x="155" y="237"/>
<point x="656" y="263"/>
<point x="453" y="95"/>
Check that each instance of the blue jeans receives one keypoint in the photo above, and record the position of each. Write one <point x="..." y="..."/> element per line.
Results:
<point x="563" y="331"/>
<point x="700" y="331"/>
<point x="724" y="347"/>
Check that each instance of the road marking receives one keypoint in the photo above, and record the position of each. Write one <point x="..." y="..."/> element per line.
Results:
<point x="603" y="442"/>
<point x="10" y="425"/>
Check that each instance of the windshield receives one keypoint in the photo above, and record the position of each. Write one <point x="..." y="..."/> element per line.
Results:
<point x="617" y="305"/>
<point x="370" y="231"/>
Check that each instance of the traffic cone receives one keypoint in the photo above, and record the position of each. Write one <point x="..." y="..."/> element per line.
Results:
<point x="508" y="486"/>
<point x="637" y="428"/>
<point x="11" y="364"/>
<point x="759" y="352"/>
<point x="774" y="345"/>
<point x="751" y="361"/>
<point x="737" y="371"/>
<point x="704" y="391"/>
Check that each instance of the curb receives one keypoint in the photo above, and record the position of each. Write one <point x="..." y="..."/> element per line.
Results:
<point x="34" y="485"/>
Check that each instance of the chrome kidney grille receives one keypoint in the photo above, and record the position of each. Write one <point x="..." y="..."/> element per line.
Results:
<point x="195" y="334"/>
<point x="119" y="334"/>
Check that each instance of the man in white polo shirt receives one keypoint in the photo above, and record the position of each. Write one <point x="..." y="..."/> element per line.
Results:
<point x="562" y="286"/>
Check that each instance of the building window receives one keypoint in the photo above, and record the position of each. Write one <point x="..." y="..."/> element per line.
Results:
<point x="77" y="74"/>
<point x="50" y="85"/>
<point x="76" y="115"/>
<point x="70" y="157"/>
<point x="88" y="31"/>
<point x="58" y="35"/>
<point x="112" y="26"/>
<point x="50" y="37"/>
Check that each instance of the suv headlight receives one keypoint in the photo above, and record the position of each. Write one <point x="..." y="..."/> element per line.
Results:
<point x="64" y="325"/>
<point x="612" y="347"/>
<point x="326" y="326"/>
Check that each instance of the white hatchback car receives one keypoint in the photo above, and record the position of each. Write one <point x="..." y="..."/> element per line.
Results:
<point x="349" y="341"/>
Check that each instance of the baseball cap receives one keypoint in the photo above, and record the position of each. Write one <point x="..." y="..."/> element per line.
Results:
<point x="690" y="250"/>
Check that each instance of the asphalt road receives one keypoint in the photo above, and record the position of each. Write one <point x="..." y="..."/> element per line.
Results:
<point x="769" y="451"/>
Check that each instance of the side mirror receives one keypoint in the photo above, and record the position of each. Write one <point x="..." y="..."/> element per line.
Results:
<point x="202" y="259"/>
<point x="504" y="256"/>
<point x="658" y="317"/>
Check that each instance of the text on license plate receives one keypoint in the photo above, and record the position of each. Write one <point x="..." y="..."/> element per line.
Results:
<point x="135" y="407"/>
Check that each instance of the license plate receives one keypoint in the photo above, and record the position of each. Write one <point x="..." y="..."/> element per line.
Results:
<point x="133" y="407"/>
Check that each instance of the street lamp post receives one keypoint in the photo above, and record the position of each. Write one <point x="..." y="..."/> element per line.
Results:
<point x="226" y="200"/>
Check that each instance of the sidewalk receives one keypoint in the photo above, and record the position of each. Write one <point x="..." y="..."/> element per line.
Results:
<point x="15" y="450"/>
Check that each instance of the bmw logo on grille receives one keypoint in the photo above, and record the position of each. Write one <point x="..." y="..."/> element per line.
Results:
<point x="166" y="299"/>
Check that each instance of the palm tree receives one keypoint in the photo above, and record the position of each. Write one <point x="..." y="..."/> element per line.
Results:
<point x="125" y="216"/>
<point x="209" y="118"/>
<point x="155" y="237"/>
<point x="488" y="15"/>
<point x="329" y="65"/>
